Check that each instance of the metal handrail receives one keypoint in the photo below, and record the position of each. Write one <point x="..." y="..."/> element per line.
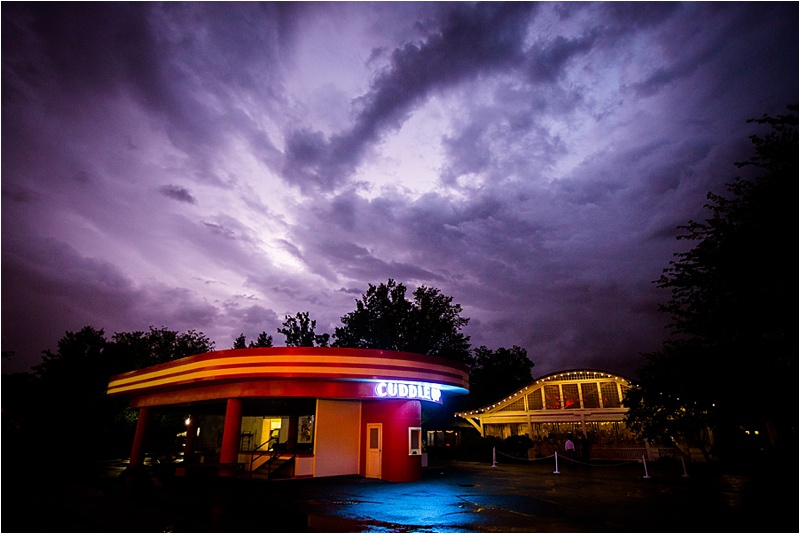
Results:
<point x="275" y="456"/>
<point x="254" y="457"/>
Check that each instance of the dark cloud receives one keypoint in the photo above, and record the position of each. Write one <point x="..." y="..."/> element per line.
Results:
<point x="548" y="62"/>
<point x="220" y="230"/>
<point x="156" y="53"/>
<point x="308" y="159"/>
<point x="44" y="279"/>
<point x="532" y="160"/>
<point x="472" y="39"/>
<point x="252" y="319"/>
<point x="625" y="17"/>
<point x="176" y="192"/>
<point x="16" y="193"/>
<point x="113" y="47"/>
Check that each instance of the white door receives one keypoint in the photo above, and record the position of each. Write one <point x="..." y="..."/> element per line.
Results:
<point x="374" y="431"/>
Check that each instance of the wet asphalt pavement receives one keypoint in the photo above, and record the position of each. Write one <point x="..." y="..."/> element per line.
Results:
<point x="510" y="496"/>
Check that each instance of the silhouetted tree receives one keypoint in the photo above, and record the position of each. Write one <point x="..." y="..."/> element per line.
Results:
<point x="434" y="326"/>
<point x="379" y="321"/>
<point x="263" y="340"/>
<point x="496" y="373"/>
<point x="157" y="345"/>
<point x="299" y="331"/>
<point x="77" y="375"/>
<point x="79" y="354"/>
<point x="384" y="319"/>
<point x="729" y="301"/>
<point x="240" y="342"/>
<point x="430" y="324"/>
<point x="672" y="400"/>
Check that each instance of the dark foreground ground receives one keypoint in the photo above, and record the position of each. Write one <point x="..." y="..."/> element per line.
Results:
<point x="452" y="497"/>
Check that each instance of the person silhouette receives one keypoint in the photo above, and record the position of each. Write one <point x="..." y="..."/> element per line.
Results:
<point x="569" y="448"/>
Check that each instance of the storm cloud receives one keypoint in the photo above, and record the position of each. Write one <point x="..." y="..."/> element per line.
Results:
<point x="217" y="166"/>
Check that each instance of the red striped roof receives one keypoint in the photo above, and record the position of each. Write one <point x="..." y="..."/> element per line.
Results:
<point x="281" y="363"/>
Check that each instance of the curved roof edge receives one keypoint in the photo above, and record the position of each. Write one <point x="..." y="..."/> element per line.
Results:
<point x="580" y="370"/>
<point x="591" y="374"/>
<point x="293" y="364"/>
<point x="322" y="351"/>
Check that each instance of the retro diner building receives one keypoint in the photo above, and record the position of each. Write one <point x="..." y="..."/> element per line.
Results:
<point x="330" y="411"/>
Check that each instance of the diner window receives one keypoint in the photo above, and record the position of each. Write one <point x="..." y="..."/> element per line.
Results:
<point x="610" y="395"/>
<point x="516" y="406"/>
<point x="571" y="399"/>
<point x="535" y="400"/>
<point x="414" y="440"/>
<point x="552" y="398"/>
<point x="591" y="398"/>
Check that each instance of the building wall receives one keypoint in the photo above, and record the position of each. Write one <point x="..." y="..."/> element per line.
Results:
<point x="396" y="416"/>
<point x="336" y="437"/>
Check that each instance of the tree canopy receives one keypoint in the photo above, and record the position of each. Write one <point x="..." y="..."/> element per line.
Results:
<point x="495" y="373"/>
<point x="134" y="350"/>
<point x="263" y="340"/>
<point x="299" y="331"/>
<point x="728" y="308"/>
<point x="385" y="319"/>
<point x="79" y="372"/>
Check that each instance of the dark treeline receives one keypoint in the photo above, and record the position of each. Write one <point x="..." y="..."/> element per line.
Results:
<point x="62" y="404"/>
<point x="63" y="400"/>
<point x="729" y="368"/>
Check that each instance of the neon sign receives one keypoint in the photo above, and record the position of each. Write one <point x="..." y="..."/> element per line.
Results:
<point x="408" y="390"/>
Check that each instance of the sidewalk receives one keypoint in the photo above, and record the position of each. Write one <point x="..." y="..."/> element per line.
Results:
<point x="452" y="497"/>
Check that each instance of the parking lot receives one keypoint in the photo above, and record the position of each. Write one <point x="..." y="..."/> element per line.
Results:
<point x="453" y="496"/>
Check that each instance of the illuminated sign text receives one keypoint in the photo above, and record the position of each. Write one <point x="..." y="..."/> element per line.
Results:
<point x="408" y="390"/>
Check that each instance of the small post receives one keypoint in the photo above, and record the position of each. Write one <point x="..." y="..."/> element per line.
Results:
<point x="556" y="471"/>
<point x="685" y="475"/>
<point x="494" y="456"/>
<point x="645" y="467"/>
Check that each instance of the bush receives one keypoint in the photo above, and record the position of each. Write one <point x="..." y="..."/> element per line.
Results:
<point x="516" y="446"/>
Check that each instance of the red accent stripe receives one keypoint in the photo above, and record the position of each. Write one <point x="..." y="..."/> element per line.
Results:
<point x="299" y="351"/>
<point x="373" y="372"/>
<point x="355" y="366"/>
<point x="397" y="366"/>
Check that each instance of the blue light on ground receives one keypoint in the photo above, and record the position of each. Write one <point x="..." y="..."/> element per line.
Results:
<point x="429" y="505"/>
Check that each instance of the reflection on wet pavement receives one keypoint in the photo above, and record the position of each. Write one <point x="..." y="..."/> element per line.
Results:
<point x="454" y="497"/>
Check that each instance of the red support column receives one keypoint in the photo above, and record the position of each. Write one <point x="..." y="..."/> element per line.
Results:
<point x="191" y="434"/>
<point x="137" y="451"/>
<point x="231" y="434"/>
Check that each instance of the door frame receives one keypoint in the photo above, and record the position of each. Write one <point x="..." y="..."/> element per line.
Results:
<point x="374" y="461"/>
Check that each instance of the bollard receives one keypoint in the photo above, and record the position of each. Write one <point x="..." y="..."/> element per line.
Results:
<point x="645" y="468"/>
<point x="684" y="468"/>
<point x="494" y="456"/>
<point x="556" y="471"/>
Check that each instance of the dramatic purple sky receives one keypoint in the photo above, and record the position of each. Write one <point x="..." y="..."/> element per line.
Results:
<point x="215" y="167"/>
